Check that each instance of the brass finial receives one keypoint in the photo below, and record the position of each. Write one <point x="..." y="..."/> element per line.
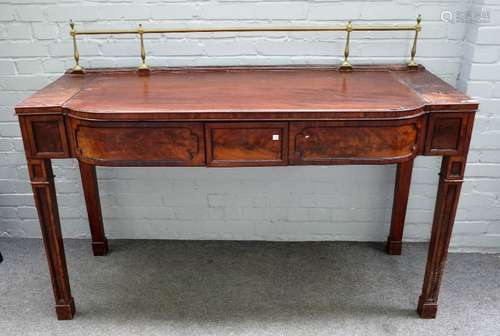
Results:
<point x="418" y="28"/>
<point x="346" y="65"/>
<point x="76" y="55"/>
<point x="143" y="65"/>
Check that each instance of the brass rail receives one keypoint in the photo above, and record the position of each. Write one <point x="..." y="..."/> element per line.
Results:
<point x="348" y="28"/>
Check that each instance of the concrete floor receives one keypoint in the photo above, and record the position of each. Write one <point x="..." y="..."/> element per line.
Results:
<point x="245" y="288"/>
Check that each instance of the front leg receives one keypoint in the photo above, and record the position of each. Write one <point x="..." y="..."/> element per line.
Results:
<point x="42" y="182"/>
<point x="450" y="182"/>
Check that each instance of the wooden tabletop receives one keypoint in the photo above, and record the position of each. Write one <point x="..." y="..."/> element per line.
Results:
<point x="217" y="93"/>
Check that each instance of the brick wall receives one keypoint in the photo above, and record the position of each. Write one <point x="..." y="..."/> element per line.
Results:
<point x="296" y="203"/>
<point x="480" y="77"/>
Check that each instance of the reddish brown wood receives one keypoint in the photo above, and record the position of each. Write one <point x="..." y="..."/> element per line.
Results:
<point x="242" y="116"/>
<point x="246" y="144"/>
<point x="354" y="142"/>
<point x="401" y="193"/>
<point x="42" y="181"/>
<point x="447" y="134"/>
<point x="50" y="99"/>
<point x="444" y="217"/>
<point x="450" y="182"/>
<point x="249" y="93"/>
<point x="91" y="193"/>
<point x="139" y="143"/>
<point x="244" y="91"/>
<point x="45" y="136"/>
<point x="439" y="95"/>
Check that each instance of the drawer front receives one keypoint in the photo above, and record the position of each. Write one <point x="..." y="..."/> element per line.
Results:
<point x="353" y="142"/>
<point x="246" y="144"/>
<point x="139" y="143"/>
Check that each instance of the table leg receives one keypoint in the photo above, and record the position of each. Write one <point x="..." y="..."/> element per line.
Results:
<point x="401" y="193"/>
<point x="42" y="182"/>
<point x="450" y="182"/>
<point x="91" y="192"/>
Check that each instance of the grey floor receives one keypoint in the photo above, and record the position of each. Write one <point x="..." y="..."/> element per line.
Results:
<point x="245" y="288"/>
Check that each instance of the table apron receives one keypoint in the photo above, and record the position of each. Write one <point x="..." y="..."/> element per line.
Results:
<point x="243" y="143"/>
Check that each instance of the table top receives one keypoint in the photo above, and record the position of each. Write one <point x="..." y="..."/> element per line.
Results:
<point x="247" y="92"/>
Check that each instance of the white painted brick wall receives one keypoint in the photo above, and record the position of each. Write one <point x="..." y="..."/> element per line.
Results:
<point x="294" y="203"/>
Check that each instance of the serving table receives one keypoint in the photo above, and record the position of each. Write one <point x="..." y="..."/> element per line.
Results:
<point x="247" y="116"/>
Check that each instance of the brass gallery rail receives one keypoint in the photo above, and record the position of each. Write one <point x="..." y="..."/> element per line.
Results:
<point x="348" y="28"/>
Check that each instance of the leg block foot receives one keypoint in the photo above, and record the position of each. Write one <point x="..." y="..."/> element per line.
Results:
<point x="393" y="247"/>
<point x="66" y="311"/>
<point x="100" y="248"/>
<point x="427" y="310"/>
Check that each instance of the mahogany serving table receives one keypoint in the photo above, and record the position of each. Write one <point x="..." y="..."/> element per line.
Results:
<point x="247" y="116"/>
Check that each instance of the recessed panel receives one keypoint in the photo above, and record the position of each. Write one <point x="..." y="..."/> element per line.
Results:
<point x="247" y="144"/>
<point x="446" y="134"/>
<point x="45" y="136"/>
<point x="129" y="144"/>
<point x="331" y="142"/>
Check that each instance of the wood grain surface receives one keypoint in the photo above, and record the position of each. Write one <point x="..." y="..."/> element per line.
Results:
<point x="247" y="116"/>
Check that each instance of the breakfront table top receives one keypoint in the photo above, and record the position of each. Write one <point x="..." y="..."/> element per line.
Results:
<point x="248" y="93"/>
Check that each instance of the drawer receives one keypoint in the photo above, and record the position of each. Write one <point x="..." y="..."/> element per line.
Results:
<point x="247" y="144"/>
<point x="351" y="142"/>
<point x="139" y="143"/>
